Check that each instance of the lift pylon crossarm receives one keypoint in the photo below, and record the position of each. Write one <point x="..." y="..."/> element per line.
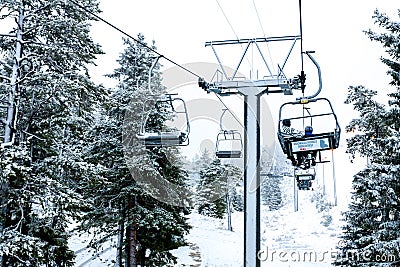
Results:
<point x="261" y="39"/>
<point x="284" y="86"/>
<point x="272" y="79"/>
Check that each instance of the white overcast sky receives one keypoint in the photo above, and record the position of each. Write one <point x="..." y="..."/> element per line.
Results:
<point x="180" y="28"/>
<point x="334" y="29"/>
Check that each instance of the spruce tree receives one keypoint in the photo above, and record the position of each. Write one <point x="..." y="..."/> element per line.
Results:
<point x="271" y="191"/>
<point x="273" y="164"/>
<point x="48" y="105"/>
<point x="371" y="233"/>
<point x="121" y="205"/>
<point x="211" y="190"/>
<point x="216" y="181"/>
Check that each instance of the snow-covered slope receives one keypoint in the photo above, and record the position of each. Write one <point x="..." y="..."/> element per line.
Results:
<point x="288" y="238"/>
<point x="283" y="231"/>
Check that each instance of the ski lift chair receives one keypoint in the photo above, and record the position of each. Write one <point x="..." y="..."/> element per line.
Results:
<point x="304" y="178"/>
<point x="315" y="142"/>
<point x="166" y="104"/>
<point x="229" y="144"/>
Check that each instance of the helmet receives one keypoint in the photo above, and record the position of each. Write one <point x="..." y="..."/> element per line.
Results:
<point x="286" y="122"/>
<point x="308" y="130"/>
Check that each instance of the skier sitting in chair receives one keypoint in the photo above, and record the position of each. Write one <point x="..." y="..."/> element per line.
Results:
<point x="288" y="132"/>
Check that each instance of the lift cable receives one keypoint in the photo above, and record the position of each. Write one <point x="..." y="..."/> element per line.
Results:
<point x="237" y="37"/>
<point x="154" y="51"/>
<point x="302" y="75"/>
<point x="133" y="38"/>
<point x="264" y="35"/>
<point x="233" y="30"/>
<point x="301" y="36"/>
<point x="259" y="19"/>
<point x="230" y="25"/>
<point x="229" y="110"/>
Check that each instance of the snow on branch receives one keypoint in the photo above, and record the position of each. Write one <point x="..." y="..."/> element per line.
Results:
<point x="5" y="64"/>
<point x="2" y="77"/>
<point x="8" y="35"/>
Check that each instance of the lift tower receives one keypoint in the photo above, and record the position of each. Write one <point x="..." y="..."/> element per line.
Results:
<point x="252" y="90"/>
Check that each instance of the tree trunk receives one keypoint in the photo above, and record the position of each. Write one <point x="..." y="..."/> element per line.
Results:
<point x="13" y="98"/>
<point x="118" y="260"/>
<point x="228" y="209"/>
<point x="11" y="119"/>
<point x="130" y="239"/>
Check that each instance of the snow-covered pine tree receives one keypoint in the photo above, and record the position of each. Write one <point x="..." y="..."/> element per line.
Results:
<point x="322" y="205"/>
<point x="216" y="180"/>
<point x="235" y="186"/>
<point x="48" y="104"/>
<point x="147" y="229"/>
<point x="211" y="190"/>
<point x="203" y="161"/>
<point x="271" y="192"/>
<point x="274" y="165"/>
<point x="371" y="233"/>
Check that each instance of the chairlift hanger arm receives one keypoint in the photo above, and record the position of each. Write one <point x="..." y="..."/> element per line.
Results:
<point x="308" y="53"/>
<point x="220" y="119"/>
<point x="151" y="70"/>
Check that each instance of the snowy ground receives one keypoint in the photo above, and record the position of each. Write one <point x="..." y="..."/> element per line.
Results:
<point x="292" y="235"/>
<point x="289" y="238"/>
<point x="87" y="258"/>
<point x="211" y="244"/>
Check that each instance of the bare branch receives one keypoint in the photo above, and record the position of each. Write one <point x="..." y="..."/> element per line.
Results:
<point x="4" y="100"/>
<point x="28" y="56"/>
<point x="30" y="30"/>
<point x="20" y="80"/>
<point x="19" y="224"/>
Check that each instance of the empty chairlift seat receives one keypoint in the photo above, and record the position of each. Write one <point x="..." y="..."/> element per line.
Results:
<point x="229" y="144"/>
<point x="169" y="107"/>
<point x="176" y="138"/>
